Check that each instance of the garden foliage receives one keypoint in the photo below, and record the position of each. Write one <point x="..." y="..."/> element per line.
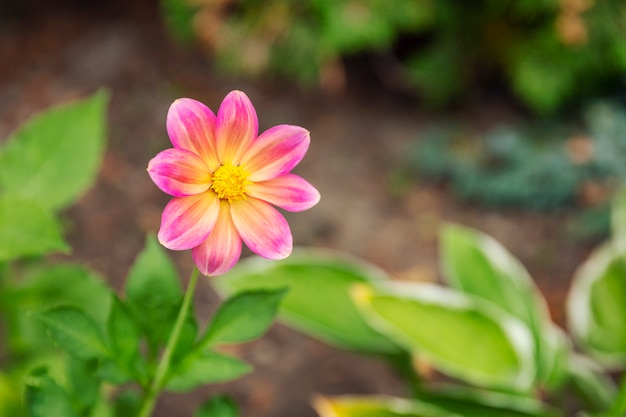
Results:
<point x="540" y="167"/>
<point x="487" y="334"/>
<point x="484" y="345"/>
<point x="71" y="346"/>
<point x="548" y="52"/>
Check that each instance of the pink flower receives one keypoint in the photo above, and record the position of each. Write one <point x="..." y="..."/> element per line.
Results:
<point x="225" y="179"/>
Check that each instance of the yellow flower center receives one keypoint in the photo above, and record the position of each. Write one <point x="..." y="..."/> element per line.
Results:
<point x="229" y="182"/>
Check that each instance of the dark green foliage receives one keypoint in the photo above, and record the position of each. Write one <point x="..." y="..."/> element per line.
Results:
<point x="178" y="16"/>
<point x="294" y="38"/>
<point x="113" y="349"/>
<point x="153" y="293"/>
<point x="549" y="53"/>
<point x="44" y="397"/>
<point x="220" y="406"/>
<point x="535" y="168"/>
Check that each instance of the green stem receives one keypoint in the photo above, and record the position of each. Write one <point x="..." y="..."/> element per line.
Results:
<point x="164" y="365"/>
<point x="619" y="406"/>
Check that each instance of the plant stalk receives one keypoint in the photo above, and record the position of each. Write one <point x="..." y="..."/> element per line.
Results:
<point x="164" y="365"/>
<point x="619" y="406"/>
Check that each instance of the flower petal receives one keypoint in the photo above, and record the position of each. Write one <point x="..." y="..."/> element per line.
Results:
<point x="179" y="172"/>
<point x="237" y="127"/>
<point x="187" y="221"/>
<point x="262" y="228"/>
<point x="289" y="192"/>
<point x="276" y="152"/>
<point x="191" y="126"/>
<point x="222" y="249"/>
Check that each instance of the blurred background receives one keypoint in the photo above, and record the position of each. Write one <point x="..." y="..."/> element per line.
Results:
<point x="504" y="115"/>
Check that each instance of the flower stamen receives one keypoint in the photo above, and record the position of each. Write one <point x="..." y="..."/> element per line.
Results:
<point x="229" y="182"/>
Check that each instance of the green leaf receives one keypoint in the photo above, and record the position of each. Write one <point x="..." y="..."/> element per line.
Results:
<point x="46" y="286"/>
<point x="122" y="331"/>
<point x="376" y="406"/>
<point x="27" y="229"/>
<point x="200" y="368"/>
<point x="153" y="292"/>
<point x="45" y="398"/>
<point x="114" y="372"/>
<point x="219" y="406"/>
<point x="593" y="385"/>
<point x="243" y="317"/>
<point x="471" y="402"/>
<point x="536" y="72"/>
<point x="618" y="222"/>
<point x="125" y="337"/>
<point x="50" y="285"/>
<point x="318" y="302"/>
<point x="596" y="306"/>
<point x="54" y="157"/>
<point x="552" y="365"/>
<point x="82" y="387"/>
<point x="459" y="335"/>
<point x="126" y="404"/>
<point x="451" y="402"/>
<point x="74" y="332"/>
<point x="179" y="16"/>
<point x="478" y="265"/>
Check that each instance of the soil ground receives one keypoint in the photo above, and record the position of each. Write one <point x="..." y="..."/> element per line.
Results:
<point x="50" y="55"/>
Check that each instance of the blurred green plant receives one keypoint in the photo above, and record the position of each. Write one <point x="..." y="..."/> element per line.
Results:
<point x="46" y="165"/>
<point x="483" y="346"/>
<point x="302" y="40"/>
<point x="549" y="52"/>
<point x="70" y="345"/>
<point x="541" y="167"/>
